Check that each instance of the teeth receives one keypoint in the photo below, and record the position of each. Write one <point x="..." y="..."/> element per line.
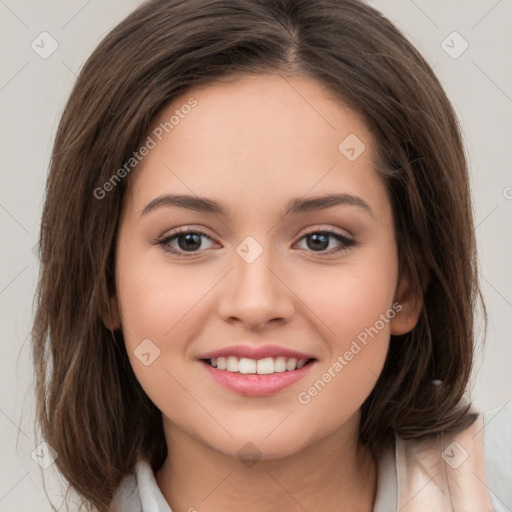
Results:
<point x="246" y="365"/>
<point x="265" y="366"/>
<point x="232" y="364"/>
<point x="261" y="366"/>
<point x="291" y="364"/>
<point x="280" y="364"/>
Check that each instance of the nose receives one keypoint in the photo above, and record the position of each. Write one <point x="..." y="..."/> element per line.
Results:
<point x="255" y="293"/>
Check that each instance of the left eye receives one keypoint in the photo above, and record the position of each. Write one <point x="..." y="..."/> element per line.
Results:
<point x="189" y="241"/>
<point x="320" y="241"/>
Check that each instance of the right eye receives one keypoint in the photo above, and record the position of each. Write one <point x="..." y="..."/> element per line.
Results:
<point x="187" y="240"/>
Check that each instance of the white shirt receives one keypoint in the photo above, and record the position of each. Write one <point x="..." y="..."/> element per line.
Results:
<point x="469" y="473"/>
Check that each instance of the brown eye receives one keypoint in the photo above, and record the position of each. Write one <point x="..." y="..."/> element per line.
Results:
<point x="185" y="241"/>
<point x="318" y="241"/>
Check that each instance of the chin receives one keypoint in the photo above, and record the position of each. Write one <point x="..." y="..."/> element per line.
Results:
<point x="251" y="447"/>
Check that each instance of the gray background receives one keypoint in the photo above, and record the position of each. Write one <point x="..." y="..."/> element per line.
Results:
<point x="33" y="91"/>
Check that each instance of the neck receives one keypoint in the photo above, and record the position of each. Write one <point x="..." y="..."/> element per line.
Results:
<point x="336" y="473"/>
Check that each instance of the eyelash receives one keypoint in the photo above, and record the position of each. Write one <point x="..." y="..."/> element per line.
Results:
<point x="347" y="243"/>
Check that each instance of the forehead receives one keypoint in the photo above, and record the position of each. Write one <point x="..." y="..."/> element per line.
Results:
<point x="262" y="112"/>
<point x="260" y="136"/>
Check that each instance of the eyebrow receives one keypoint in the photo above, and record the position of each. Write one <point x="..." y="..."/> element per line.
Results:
<point x="295" y="206"/>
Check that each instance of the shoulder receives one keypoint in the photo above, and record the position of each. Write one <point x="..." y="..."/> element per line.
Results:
<point x="497" y="427"/>
<point x="470" y="471"/>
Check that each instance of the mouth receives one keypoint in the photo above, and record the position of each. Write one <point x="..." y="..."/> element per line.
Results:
<point x="265" y="366"/>
<point x="257" y="377"/>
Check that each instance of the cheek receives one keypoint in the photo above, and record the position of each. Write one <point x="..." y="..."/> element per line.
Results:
<point x="357" y="311"/>
<point x="156" y="297"/>
<point x="357" y="353"/>
<point x="161" y="303"/>
<point x="354" y="296"/>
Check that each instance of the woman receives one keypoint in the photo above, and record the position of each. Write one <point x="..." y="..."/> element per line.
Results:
<point x="312" y="349"/>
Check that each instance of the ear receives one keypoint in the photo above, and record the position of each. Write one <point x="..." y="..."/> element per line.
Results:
<point x="411" y="304"/>
<point x="111" y="318"/>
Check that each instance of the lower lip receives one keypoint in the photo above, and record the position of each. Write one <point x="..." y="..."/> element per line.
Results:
<point x="252" y="384"/>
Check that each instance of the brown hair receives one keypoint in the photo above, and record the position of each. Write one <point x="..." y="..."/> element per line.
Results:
<point x="91" y="408"/>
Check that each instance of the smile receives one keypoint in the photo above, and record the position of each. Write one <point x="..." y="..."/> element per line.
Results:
<point x="260" y="366"/>
<point x="261" y="377"/>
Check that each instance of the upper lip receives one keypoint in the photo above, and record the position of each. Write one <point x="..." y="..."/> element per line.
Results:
<point x="259" y="352"/>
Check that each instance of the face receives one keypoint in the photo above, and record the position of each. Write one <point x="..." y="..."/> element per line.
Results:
<point x="267" y="266"/>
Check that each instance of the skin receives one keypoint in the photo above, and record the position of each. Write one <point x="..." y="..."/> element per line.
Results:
<point x="255" y="143"/>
